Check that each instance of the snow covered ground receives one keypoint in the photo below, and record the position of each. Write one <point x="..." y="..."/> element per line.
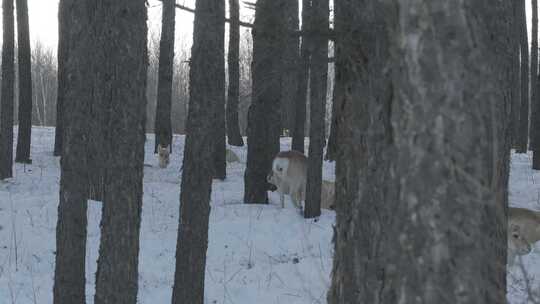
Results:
<point x="257" y="254"/>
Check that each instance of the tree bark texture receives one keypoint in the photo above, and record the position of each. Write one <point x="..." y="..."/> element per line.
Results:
<point x="220" y="132"/>
<point x="121" y="48"/>
<point x="332" y="148"/>
<point x="422" y="171"/>
<point x="69" y="277"/>
<point x="302" y="84"/>
<point x="25" y="84"/>
<point x="233" y="91"/>
<point x="264" y="112"/>
<point x="523" y="132"/>
<point x="318" y="84"/>
<point x="62" y="55"/>
<point x="206" y="87"/>
<point x="163" y="126"/>
<point x="8" y="80"/>
<point x="289" y="80"/>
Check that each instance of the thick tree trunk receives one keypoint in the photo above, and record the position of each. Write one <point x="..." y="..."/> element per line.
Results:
<point x="220" y="141"/>
<point x="523" y="132"/>
<point x="62" y="55"/>
<point x="264" y="112"/>
<point x="207" y="86"/>
<point x="121" y="33"/>
<point x="25" y="84"/>
<point x="233" y="91"/>
<point x="318" y="85"/>
<point x="163" y="127"/>
<point x="422" y="171"/>
<point x="302" y="84"/>
<point x="8" y="79"/>
<point x="69" y="276"/>
<point x="289" y="80"/>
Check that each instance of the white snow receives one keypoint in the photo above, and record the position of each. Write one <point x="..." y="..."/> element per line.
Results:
<point x="257" y="253"/>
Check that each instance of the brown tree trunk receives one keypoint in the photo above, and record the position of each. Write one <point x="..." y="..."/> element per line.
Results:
<point x="121" y="49"/>
<point x="523" y="132"/>
<point x="207" y="85"/>
<point x="422" y="171"/>
<point x="69" y="275"/>
<point x="264" y="112"/>
<point x="25" y="85"/>
<point x="303" y="74"/>
<point x="163" y="127"/>
<point x="318" y="85"/>
<point x="8" y="79"/>
<point x="233" y="91"/>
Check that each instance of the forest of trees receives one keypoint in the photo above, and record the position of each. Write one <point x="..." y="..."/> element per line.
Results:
<point x="426" y="102"/>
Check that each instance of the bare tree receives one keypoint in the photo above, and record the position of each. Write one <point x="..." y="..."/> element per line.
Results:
<point x="163" y="127"/>
<point x="523" y="132"/>
<point x="264" y="112"/>
<point x="318" y="85"/>
<point x="233" y="92"/>
<point x="8" y="78"/>
<point x="302" y="86"/>
<point x="25" y="84"/>
<point x="207" y="86"/>
<point x="71" y="229"/>
<point x="424" y="148"/>
<point x="535" y="101"/>
<point x="121" y="49"/>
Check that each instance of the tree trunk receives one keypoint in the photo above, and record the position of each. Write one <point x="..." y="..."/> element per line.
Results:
<point x="535" y="101"/>
<point x="523" y="133"/>
<point x="220" y="142"/>
<point x="233" y="91"/>
<point x="332" y="147"/>
<point x="8" y="79"/>
<point x="207" y="86"/>
<point x="422" y="171"/>
<point x="318" y="85"/>
<point x="163" y="127"/>
<point x="25" y="85"/>
<point x="289" y="80"/>
<point x="264" y="112"/>
<point x="121" y="49"/>
<point x="303" y="74"/>
<point x="69" y="276"/>
<point x="61" y="53"/>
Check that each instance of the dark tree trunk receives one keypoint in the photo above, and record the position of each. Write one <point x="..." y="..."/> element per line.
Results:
<point x="523" y="132"/>
<point x="514" y="84"/>
<point x="298" y="137"/>
<point x="8" y="79"/>
<point x="121" y="33"/>
<point x="289" y="80"/>
<point x="25" y="84"/>
<point x="163" y="127"/>
<point x="69" y="276"/>
<point x="233" y="91"/>
<point x="318" y="85"/>
<point x="62" y="55"/>
<point x="422" y="171"/>
<point x="207" y="86"/>
<point x="219" y="154"/>
<point x="535" y="101"/>
<point x="263" y="116"/>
